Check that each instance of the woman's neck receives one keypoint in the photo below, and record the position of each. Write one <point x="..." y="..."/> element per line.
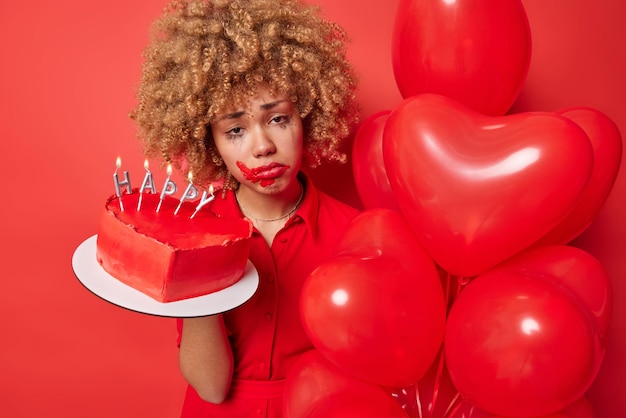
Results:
<point x="262" y="207"/>
<point x="269" y="212"/>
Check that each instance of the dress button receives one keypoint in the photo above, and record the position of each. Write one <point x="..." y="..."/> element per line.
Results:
<point x="283" y="240"/>
<point x="268" y="316"/>
<point x="270" y="278"/>
<point x="259" y="411"/>
<point x="261" y="366"/>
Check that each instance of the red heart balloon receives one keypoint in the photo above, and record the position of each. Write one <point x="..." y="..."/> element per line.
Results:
<point x="376" y="309"/>
<point x="519" y="346"/>
<point x="606" y="141"/>
<point x="478" y="189"/>
<point x="474" y="51"/>
<point x="314" y="387"/>
<point x="368" y="165"/>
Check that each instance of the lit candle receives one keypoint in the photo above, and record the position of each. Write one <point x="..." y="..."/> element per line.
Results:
<point x="148" y="183"/>
<point x="119" y="184"/>
<point x="206" y="198"/>
<point x="169" y="188"/>
<point x="190" y="192"/>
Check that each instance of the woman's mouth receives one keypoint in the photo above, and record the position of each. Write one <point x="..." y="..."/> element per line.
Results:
<point x="265" y="175"/>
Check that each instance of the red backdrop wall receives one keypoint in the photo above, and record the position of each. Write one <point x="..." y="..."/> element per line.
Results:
<point x="68" y="74"/>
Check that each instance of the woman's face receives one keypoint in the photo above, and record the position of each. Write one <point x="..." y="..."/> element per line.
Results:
<point x="261" y="143"/>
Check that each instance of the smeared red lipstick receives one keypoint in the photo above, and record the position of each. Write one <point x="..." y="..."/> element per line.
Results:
<point x="265" y="175"/>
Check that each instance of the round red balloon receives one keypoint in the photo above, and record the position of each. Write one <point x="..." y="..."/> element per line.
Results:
<point x="376" y="309"/>
<point x="368" y="165"/>
<point x="580" y="409"/>
<point x="474" y="51"/>
<point x="314" y="387"/>
<point x="351" y="405"/>
<point x="575" y="270"/>
<point x="475" y="189"/>
<point x="519" y="346"/>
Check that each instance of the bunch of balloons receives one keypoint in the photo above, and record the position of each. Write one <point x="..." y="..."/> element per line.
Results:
<point x="455" y="292"/>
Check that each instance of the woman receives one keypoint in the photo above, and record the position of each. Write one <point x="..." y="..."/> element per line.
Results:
<point x="248" y="94"/>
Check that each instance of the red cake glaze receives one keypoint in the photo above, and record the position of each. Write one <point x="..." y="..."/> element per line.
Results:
<point x="171" y="257"/>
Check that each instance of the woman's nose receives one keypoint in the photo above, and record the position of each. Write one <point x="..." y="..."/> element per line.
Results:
<point x="262" y="144"/>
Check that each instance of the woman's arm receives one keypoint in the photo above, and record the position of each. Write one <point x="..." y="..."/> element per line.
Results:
<point x="206" y="358"/>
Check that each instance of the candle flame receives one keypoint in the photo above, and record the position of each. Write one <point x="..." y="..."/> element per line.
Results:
<point x="118" y="162"/>
<point x="211" y="189"/>
<point x="169" y="169"/>
<point x="146" y="164"/>
<point x="190" y="176"/>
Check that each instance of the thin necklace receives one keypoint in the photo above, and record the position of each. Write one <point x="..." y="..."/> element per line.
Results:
<point x="286" y="215"/>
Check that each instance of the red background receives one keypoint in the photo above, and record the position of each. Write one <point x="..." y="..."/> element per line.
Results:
<point x="68" y="74"/>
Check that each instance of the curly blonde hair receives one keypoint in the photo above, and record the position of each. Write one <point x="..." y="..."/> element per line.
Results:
<point x="207" y="56"/>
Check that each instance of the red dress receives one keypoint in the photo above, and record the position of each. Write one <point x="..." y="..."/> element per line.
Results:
<point x="266" y="333"/>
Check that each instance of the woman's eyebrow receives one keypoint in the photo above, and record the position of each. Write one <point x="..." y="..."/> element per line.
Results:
<point x="240" y="113"/>
<point x="234" y="115"/>
<point x="267" y="106"/>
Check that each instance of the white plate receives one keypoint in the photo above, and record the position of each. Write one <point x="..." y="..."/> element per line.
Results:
<point x="91" y="274"/>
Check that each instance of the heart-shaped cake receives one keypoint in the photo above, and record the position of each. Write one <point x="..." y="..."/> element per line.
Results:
<point x="170" y="256"/>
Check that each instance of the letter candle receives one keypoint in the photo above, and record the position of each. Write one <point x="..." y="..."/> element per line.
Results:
<point x="148" y="183"/>
<point x="169" y="188"/>
<point x="119" y="184"/>
<point x="190" y="192"/>
<point x="206" y="198"/>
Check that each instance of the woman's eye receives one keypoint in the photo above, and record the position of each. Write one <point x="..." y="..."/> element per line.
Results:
<point x="280" y="119"/>
<point x="234" y="133"/>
